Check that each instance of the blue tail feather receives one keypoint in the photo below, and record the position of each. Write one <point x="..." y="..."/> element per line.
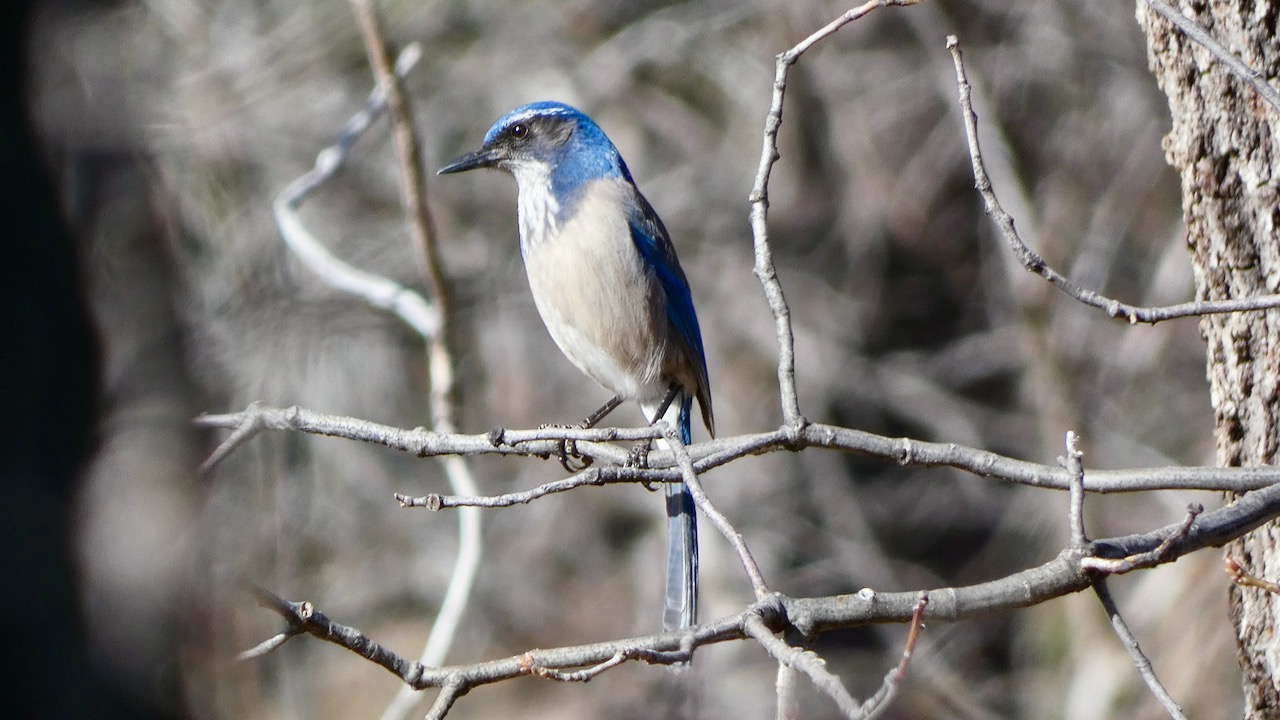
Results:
<point x="681" y="606"/>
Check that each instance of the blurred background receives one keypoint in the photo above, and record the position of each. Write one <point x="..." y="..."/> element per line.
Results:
<point x="156" y="133"/>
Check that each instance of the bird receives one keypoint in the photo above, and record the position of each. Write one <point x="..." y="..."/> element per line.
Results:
<point x="607" y="283"/>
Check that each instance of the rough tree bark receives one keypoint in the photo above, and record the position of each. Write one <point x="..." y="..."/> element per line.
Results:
<point x="1225" y="144"/>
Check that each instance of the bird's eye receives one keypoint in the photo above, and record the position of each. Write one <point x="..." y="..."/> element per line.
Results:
<point x="519" y="130"/>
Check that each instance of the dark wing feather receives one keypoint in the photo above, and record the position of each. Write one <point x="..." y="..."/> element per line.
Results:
<point x="654" y="244"/>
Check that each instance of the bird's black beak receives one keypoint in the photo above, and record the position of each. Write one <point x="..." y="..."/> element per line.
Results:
<point x="484" y="157"/>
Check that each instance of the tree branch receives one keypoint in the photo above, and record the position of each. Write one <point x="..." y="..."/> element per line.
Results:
<point x="381" y="292"/>
<point x="596" y="443"/>
<point x="1075" y="475"/>
<point x="690" y="477"/>
<point x="1241" y="69"/>
<point x="429" y="319"/>
<point x="1130" y="642"/>
<point x="1036" y="264"/>
<point x="1066" y="573"/>
<point x="765" y="270"/>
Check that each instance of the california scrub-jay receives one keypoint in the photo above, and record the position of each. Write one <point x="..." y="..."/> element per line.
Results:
<point x="609" y="288"/>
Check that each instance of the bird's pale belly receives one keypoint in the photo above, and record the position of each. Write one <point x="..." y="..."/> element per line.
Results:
<point x="602" y="313"/>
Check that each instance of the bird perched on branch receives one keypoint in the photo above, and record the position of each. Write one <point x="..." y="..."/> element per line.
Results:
<point x="607" y="283"/>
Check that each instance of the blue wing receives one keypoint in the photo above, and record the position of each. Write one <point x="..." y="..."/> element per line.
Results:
<point x="651" y="239"/>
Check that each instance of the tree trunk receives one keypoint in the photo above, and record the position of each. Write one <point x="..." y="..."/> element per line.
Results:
<point x="1225" y="145"/>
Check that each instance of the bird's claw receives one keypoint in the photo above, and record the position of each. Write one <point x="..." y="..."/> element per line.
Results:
<point x="638" y="458"/>
<point x="567" y="452"/>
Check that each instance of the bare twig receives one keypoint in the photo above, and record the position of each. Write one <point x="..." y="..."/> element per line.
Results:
<point x="807" y="662"/>
<point x="875" y="704"/>
<point x="583" y="675"/>
<point x="1155" y="556"/>
<point x="381" y="292"/>
<point x="251" y="426"/>
<point x="440" y="371"/>
<point x="690" y="477"/>
<point x="596" y="443"/>
<point x="765" y="270"/>
<point x="786" y="691"/>
<point x="412" y="180"/>
<point x="428" y="319"/>
<point x="1075" y="475"/>
<point x="1242" y="577"/>
<point x="1130" y="643"/>
<point x="304" y="617"/>
<point x="449" y="694"/>
<point x="815" y="667"/>
<point x="269" y="645"/>
<point x="1242" y="70"/>
<point x="1036" y="264"/>
<point x="1063" y="575"/>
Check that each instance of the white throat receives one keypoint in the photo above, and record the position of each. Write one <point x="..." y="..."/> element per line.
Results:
<point x="536" y="204"/>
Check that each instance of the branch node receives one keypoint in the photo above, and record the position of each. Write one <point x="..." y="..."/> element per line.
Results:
<point x="793" y="434"/>
<point x="497" y="436"/>
<point x="906" y="455"/>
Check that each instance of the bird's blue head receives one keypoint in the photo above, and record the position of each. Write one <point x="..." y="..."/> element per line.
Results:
<point x="547" y="143"/>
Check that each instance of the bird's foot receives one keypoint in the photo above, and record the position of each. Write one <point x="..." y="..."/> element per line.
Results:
<point x="567" y="453"/>
<point x="639" y="456"/>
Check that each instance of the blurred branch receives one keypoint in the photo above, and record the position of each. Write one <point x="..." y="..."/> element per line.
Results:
<point x="1242" y="70"/>
<point x="595" y="443"/>
<point x="413" y="186"/>
<point x="440" y="369"/>
<point x="1036" y="264"/>
<point x="1067" y="573"/>
<point x="429" y="320"/>
<point x="376" y="290"/>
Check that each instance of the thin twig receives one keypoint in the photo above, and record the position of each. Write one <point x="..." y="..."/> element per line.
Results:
<point x="1036" y="264"/>
<point x="1130" y="643"/>
<point x="765" y="269"/>
<point x="1242" y="70"/>
<point x="440" y="369"/>
<point x="786" y="693"/>
<point x="412" y="179"/>
<point x="1075" y="474"/>
<point x="597" y="444"/>
<point x="815" y="667"/>
<point x="1155" y="556"/>
<point x="379" y="291"/>
<point x="717" y="518"/>
<point x="1061" y="576"/>
<point x="252" y="425"/>
<point x="879" y="701"/>
<point x="449" y="694"/>
<point x="428" y="319"/>
<point x="583" y="675"/>
<point x="269" y="645"/>
<point x="304" y="617"/>
<point x="1242" y="577"/>
<point x="807" y="662"/>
